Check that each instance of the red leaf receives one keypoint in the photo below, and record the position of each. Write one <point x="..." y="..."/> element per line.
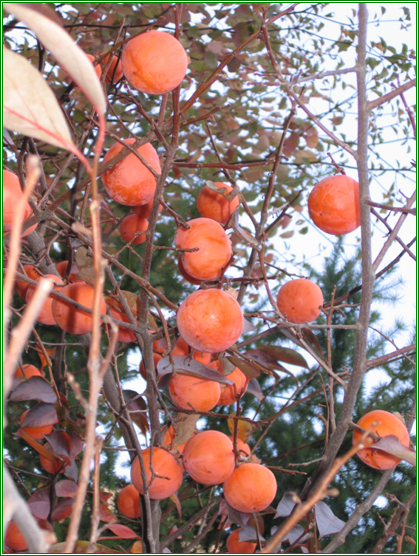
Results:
<point x="105" y="514"/>
<point x="77" y="445"/>
<point x="60" y="444"/>
<point x="71" y="471"/>
<point x="66" y="489"/>
<point x="104" y="496"/>
<point x="41" y="415"/>
<point x="122" y="531"/>
<point x="34" y="388"/>
<point x="39" y="503"/>
<point x="62" y="510"/>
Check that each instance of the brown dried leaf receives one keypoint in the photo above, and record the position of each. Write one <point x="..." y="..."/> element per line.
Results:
<point x="285" y="354"/>
<point x="251" y="371"/>
<point x="391" y="445"/>
<point x="185" y="429"/>
<point x="186" y="365"/>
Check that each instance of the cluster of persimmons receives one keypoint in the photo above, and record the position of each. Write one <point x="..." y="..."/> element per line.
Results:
<point x="209" y="321"/>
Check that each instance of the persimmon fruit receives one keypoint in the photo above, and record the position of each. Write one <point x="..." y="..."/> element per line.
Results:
<point x="21" y="285"/>
<point x="14" y="538"/>
<point x="210" y="320"/>
<point x="300" y="300"/>
<point x="12" y="194"/>
<point x="97" y="68"/>
<point x="251" y="488"/>
<point x="27" y="371"/>
<point x="114" y="72"/>
<point x="164" y="465"/>
<point x="209" y="457"/>
<point x="387" y="424"/>
<point x="137" y="547"/>
<point x="242" y="447"/>
<point x="62" y="269"/>
<point x="45" y="315"/>
<point x="202" y="357"/>
<point x="229" y="392"/>
<point x="144" y="211"/>
<point x="36" y="432"/>
<point x="68" y="317"/>
<point x="130" y="182"/>
<point x="128" y="502"/>
<point x="169" y="438"/>
<point x="235" y="546"/>
<point x="185" y="275"/>
<point x="49" y="466"/>
<point x="214" y="248"/>
<point x="125" y="335"/>
<point x="189" y="392"/>
<point x="154" y="62"/>
<point x="215" y="205"/>
<point x="333" y="205"/>
<point x="131" y="225"/>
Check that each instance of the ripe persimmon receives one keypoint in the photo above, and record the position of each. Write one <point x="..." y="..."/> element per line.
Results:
<point x="210" y="320"/>
<point x="114" y="72"/>
<point x="21" y="286"/>
<point x="144" y="211"/>
<point x="334" y="206"/>
<point x="300" y="300"/>
<point x="215" y="205"/>
<point x="202" y="357"/>
<point x="12" y="194"/>
<point x="45" y="315"/>
<point x="125" y="335"/>
<point x="214" y="248"/>
<point x="169" y="438"/>
<point x="128" y="502"/>
<point x="229" y="392"/>
<point x="235" y="546"/>
<point x="26" y="371"/>
<point x="387" y="424"/>
<point x="49" y="466"/>
<point x="191" y="392"/>
<point x="130" y="182"/>
<point x="242" y="447"/>
<point x="97" y="68"/>
<point x="62" y="269"/>
<point x="14" y="538"/>
<point x="185" y="275"/>
<point x="132" y="225"/>
<point x="156" y="359"/>
<point x="68" y="317"/>
<point x="164" y="465"/>
<point x="154" y="62"/>
<point x="251" y="488"/>
<point x="209" y="457"/>
<point x="137" y="548"/>
<point x="36" y="432"/>
<point x="179" y="346"/>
